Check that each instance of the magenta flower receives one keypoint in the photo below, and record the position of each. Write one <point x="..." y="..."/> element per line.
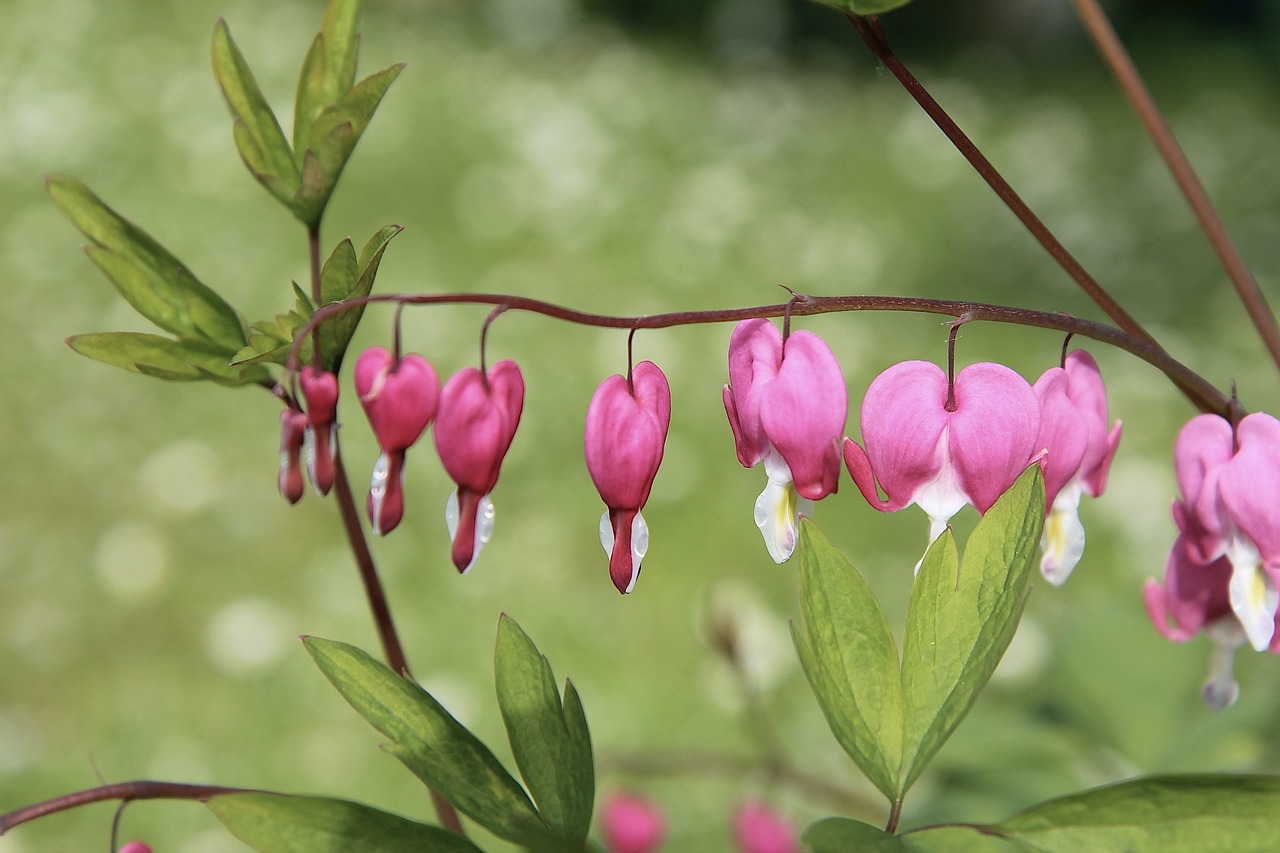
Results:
<point x="320" y="390"/>
<point x="626" y="430"/>
<point x="293" y="430"/>
<point x="1223" y="573"/>
<point x="478" y="419"/>
<point x="1079" y="449"/>
<point x="757" y="829"/>
<point x="136" y="847"/>
<point x="943" y="449"/>
<point x="631" y="824"/>
<point x="787" y="406"/>
<point x="399" y="397"/>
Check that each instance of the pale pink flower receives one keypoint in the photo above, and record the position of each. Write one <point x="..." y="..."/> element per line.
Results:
<point x="631" y="824"/>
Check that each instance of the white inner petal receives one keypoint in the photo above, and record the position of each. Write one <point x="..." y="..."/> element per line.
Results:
<point x="776" y="515"/>
<point x="484" y="523"/>
<point x="1063" y="540"/>
<point x="1254" y="597"/>
<point x="377" y="489"/>
<point x="606" y="533"/>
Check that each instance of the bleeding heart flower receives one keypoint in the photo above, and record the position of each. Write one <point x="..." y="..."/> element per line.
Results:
<point x="757" y="829"/>
<point x="626" y="430"/>
<point x="399" y="397"/>
<point x="478" y="419"/>
<point x="1078" y="452"/>
<point x="320" y="390"/>
<point x="942" y="447"/>
<point x="293" y="429"/>
<point x="787" y="406"/>
<point x="631" y="824"/>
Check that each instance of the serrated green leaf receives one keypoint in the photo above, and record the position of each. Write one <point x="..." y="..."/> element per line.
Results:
<point x="328" y="70"/>
<point x="431" y="743"/>
<point x="271" y="340"/>
<point x="279" y="823"/>
<point x="1158" y="814"/>
<point x="164" y="358"/>
<point x="865" y="7"/>
<point x="152" y="280"/>
<point x="961" y="618"/>
<point x="258" y="136"/>
<point x="842" y="835"/>
<point x="549" y="739"/>
<point x="850" y="658"/>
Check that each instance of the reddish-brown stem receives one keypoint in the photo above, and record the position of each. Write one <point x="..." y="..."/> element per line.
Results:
<point x="895" y="814"/>
<point x="869" y="29"/>
<point x="1200" y="392"/>
<point x="1131" y="83"/>
<point x="317" y="297"/>
<point x="125" y="792"/>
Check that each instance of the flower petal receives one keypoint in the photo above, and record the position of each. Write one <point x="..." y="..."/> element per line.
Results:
<point x="755" y="356"/>
<point x="993" y="430"/>
<point x="903" y="419"/>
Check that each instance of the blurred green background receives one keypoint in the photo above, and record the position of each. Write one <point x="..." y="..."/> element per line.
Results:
<point x="622" y="157"/>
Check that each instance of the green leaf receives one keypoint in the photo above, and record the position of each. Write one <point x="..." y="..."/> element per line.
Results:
<point x="850" y="658"/>
<point x="164" y="358"/>
<point x="865" y="7"/>
<point x="328" y="70"/>
<point x="152" y="280"/>
<point x="841" y="835"/>
<point x="257" y="133"/>
<point x="270" y="340"/>
<point x="1158" y="814"/>
<point x="957" y="839"/>
<point x="279" y="823"/>
<point x="331" y="139"/>
<point x="431" y="743"/>
<point x="549" y="740"/>
<point x="961" y="619"/>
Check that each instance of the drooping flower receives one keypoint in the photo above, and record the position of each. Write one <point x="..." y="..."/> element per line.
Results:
<point x="787" y="407"/>
<point x="942" y="448"/>
<point x="1078" y="452"/>
<point x="758" y="829"/>
<point x="624" y="438"/>
<point x="400" y="397"/>
<point x="631" y="824"/>
<point x="478" y="418"/>
<point x="293" y="429"/>
<point x="320" y="390"/>
<point x="136" y="847"/>
<point x="1223" y="574"/>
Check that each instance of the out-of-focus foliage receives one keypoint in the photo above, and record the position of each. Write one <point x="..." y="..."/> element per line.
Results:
<point x="154" y="581"/>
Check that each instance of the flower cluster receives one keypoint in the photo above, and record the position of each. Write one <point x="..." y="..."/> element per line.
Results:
<point x="929" y="439"/>
<point x="631" y="824"/>
<point x="1224" y="568"/>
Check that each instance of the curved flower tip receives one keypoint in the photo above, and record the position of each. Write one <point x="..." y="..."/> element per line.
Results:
<point x="478" y="417"/>
<point x="624" y="438"/>
<point x="320" y="390"/>
<point x="942" y="448"/>
<point x="293" y="429"/>
<point x="135" y="847"/>
<point x="631" y="824"/>
<point x="399" y="397"/>
<point x="757" y="829"/>
<point x="787" y="406"/>
<point x="1078" y="448"/>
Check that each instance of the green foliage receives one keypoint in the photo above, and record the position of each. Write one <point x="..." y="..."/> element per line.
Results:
<point x="865" y="7"/>
<point x="959" y="623"/>
<point x="330" y="113"/>
<point x="549" y="739"/>
<point x="278" y="823"/>
<point x="890" y="719"/>
<point x="840" y="834"/>
<point x="206" y="331"/>
<point x="1159" y="814"/>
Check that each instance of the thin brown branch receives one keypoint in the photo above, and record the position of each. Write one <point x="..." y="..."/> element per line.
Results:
<point x="125" y="792"/>
<point x="1131" y="83"/>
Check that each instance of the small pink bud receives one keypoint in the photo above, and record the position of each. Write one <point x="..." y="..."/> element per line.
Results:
<point x="478" y="419"/>
<point x="135" y="847"/>
<point x="757" y="829"/>
<point x="400" y="398"/>
<point x="320" y="390"/>
<point x="293" y="428"/>
<point x="631" y="824"/>
<point x="624" y="438"/>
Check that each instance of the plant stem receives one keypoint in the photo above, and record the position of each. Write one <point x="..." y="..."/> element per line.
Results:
<point x="869" y="29"/>
<point x="895" y="814"/>
<point x="1202" y="394"/>
<point x="1131" y="83"/>
<point x="123" y="791"/>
